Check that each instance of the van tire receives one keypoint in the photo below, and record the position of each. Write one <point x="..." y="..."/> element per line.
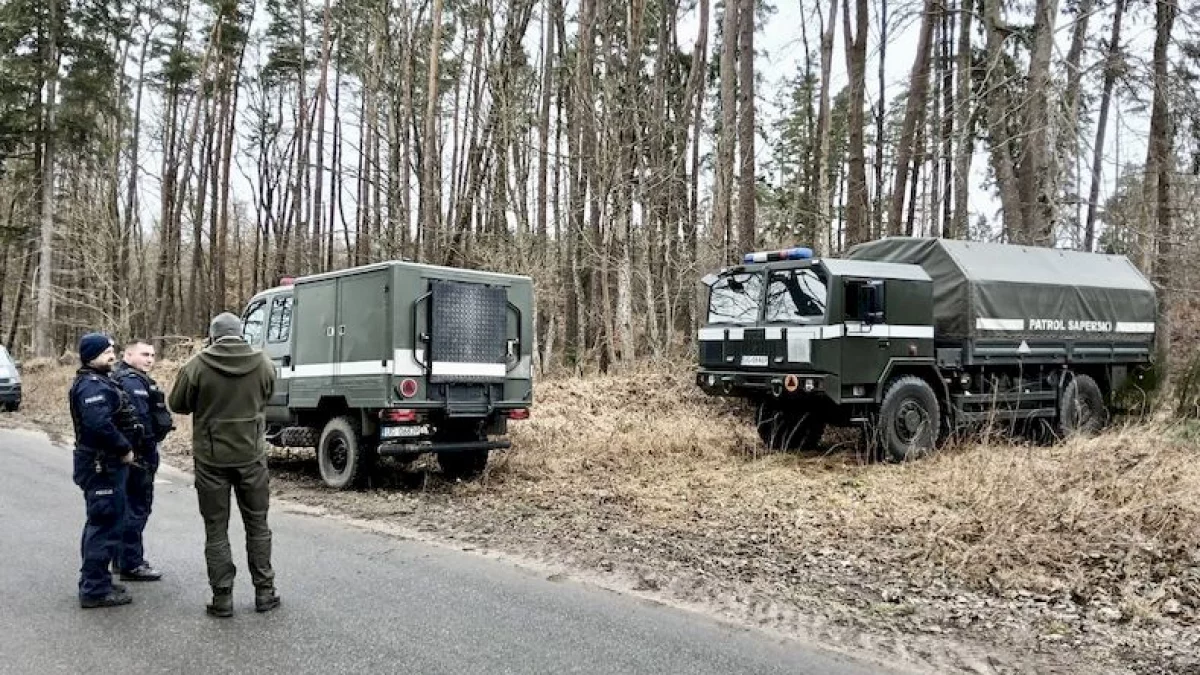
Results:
<point x="1081" y="409"/>
<point x="910" y="419"/>
<point x="343" y="455"/>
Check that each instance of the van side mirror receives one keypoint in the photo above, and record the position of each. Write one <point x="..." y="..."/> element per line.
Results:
<point x="871" y="303"/>
<point x="17" y="365"/>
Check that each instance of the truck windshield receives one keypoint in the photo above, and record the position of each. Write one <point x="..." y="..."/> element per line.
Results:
<point x="735" y="298"/>
<point x="796" y="296"/>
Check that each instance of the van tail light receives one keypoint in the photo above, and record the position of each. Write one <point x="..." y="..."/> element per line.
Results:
<point x="518" y="414"/>
<point x="398" y="415"/>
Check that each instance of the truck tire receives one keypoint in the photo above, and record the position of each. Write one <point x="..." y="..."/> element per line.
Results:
<point x="786" y="430"/>
<point x="910" y="419"/>
<point x="343" y="455"/>
<point x="1081" y="409"/>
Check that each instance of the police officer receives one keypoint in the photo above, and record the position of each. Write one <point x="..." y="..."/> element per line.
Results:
<point x="104" y="444"/>
<point x="150" y="404"/>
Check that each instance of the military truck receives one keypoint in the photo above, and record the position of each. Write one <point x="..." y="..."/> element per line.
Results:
<point x="914" y="338"/>
<point x="396" y="359"/>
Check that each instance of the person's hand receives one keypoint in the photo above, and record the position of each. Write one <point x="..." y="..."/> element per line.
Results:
<point x="128" y="458"/>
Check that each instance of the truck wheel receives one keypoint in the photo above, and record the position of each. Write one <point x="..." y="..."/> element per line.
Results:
<point x="909" y="419"/>
<point x="1082" y="410"/>
<point x="786" y="430"/>
<point x="343" y="455"/>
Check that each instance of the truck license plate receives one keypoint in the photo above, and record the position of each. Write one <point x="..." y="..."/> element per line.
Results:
<point x="403" y="432"/>
<point x="756" y="361"/>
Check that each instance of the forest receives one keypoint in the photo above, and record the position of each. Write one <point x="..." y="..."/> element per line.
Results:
<point x="162" y="160"/>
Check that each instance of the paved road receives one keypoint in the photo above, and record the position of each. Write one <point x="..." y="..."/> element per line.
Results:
<point x="353" y="602"/>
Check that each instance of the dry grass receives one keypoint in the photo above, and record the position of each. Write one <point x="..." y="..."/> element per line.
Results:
<point x="1116" y="516"/>
<point x="1087" y="515"/>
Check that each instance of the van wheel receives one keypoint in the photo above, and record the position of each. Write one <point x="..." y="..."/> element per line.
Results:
<point x="1082" y="410"/>
<point x="910" y="419"/>
<point x="343" y="455"/>
<point x="787" y="430"/>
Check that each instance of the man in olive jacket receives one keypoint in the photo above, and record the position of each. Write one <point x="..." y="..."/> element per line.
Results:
<point x="226" y="388"/>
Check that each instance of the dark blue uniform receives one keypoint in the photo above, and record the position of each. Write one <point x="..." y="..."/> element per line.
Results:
<point x="149" y="403"/>
<point x="99" y="446"/>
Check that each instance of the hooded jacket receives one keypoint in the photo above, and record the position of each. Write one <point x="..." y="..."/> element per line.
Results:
<point x="225" y="388"/>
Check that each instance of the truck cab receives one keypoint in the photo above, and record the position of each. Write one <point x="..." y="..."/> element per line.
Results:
<point x="812" y="342"/>
<point x="395" y="359"/>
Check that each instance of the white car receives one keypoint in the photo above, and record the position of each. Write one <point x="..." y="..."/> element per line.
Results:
<point x="10" y="381"/>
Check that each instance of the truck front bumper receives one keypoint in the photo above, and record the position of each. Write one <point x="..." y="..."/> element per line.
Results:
<point x="10" y="393"/>
<point x="740" y="383"/>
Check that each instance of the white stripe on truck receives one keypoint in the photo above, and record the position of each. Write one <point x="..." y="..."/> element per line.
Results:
<point x="821" y="332"/>
<point x="404" y="364"/>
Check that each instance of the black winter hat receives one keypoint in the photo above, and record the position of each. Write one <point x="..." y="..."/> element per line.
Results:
<point x="93" y="345"/>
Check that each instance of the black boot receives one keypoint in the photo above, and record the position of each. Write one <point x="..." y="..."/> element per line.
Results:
<point x="115" y="598"/>
<point x="265" y="599"/>
<point x="222" y="603"/>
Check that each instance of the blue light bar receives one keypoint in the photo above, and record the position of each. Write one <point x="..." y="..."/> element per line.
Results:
<point x="798" y="253"/>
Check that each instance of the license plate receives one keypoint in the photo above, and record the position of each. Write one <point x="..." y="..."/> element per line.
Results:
<point x="403" y="432"/>
<point x="755" y="361"/>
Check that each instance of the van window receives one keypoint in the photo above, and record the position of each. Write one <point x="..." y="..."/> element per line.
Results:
<point x="280" y="327"/>
<point x="252" y="323"/>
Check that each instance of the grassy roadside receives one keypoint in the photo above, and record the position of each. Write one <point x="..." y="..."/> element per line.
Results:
<point x="1093" y="541"/>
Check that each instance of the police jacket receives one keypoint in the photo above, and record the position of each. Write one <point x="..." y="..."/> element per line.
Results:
<point x="96" y="402"/>
<point x="148" y="401"/>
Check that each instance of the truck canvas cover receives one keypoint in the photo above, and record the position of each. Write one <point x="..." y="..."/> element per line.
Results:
<point x="994" y="290"/>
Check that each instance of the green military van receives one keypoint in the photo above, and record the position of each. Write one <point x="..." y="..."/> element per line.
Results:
<point x="912" y="338"/>
<point x="396" y="359"/>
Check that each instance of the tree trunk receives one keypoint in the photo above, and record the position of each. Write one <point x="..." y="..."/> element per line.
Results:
<point x="723" y="190"/>
<point x="962" y="121"/>
<point x="747" y="188"/>
<point x="858" y="207"/>
<point x="43" y="325"/>
<point x="1036" y="177"/>
<point x="696" y="88"/>
<point x="1111" y="69"/>
<point x="999" y="111"/>
<point x="914" y="114"/>
<point x="313" y="256"/>
<point x="820" y="170"/>
<point x="430" y="195"/>
<point x="880" y="123"/>
<point x="947" y="152"/>
<point x="1069" y="140"/>
<point x="1160" y="162"/>
<point x="544" y="128"/>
